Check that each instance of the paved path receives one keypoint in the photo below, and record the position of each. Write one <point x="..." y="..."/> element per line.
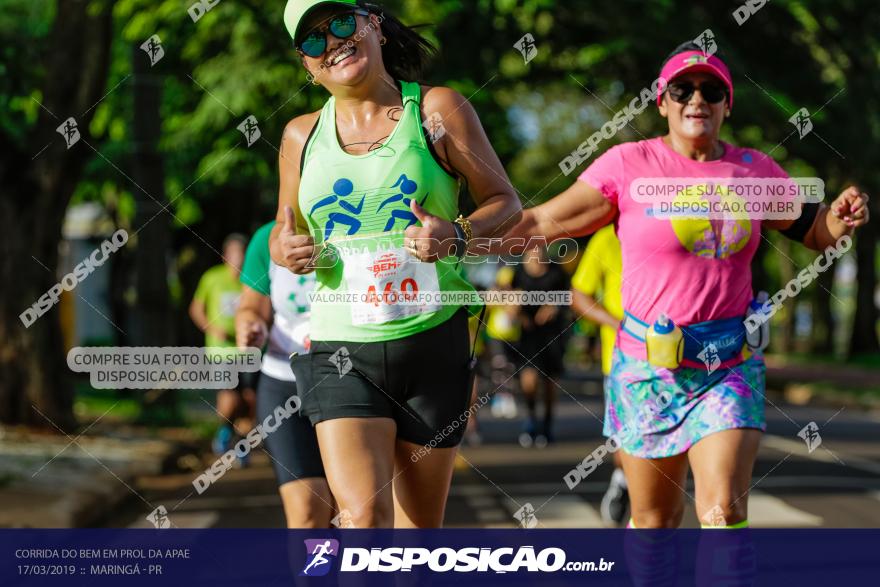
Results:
<point x="837" y="485"/>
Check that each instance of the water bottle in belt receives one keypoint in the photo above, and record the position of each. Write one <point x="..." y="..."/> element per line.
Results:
<point x="664" y="343"/>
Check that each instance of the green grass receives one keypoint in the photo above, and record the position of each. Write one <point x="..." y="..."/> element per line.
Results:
<point x="90" y="408"/>
<point x="126" y="407"/>
<point x="93" y="404"/>
<point x="204" y="429"/>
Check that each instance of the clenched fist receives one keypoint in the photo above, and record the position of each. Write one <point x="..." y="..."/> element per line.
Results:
<point x="432" y="240"/>
<point x="851" y="207"/>
<point x="297" y="250"/>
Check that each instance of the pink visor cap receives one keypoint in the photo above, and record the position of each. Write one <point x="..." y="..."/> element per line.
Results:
<point x="695" y="61"/>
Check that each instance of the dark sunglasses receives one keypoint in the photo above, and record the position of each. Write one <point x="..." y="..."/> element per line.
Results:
<point x="341" y="26"/>
<point x="712" y="93"/>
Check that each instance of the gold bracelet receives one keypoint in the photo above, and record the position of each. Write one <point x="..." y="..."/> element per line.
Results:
<point x="465" y="225"/>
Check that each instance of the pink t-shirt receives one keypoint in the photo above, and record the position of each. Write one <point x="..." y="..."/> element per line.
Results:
<point x="680" y="267"/>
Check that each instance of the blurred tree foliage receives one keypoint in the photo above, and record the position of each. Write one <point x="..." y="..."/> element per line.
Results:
<point x="592" y="58"/>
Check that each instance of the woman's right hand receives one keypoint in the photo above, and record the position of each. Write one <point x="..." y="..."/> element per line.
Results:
<point x="297" y="250"/>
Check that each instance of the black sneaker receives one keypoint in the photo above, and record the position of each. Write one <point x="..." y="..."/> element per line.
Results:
<point x="615" y="502"/>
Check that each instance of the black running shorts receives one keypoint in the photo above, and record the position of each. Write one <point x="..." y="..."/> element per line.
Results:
<point x="421" y="382"/>
<point x="292" y="446"/>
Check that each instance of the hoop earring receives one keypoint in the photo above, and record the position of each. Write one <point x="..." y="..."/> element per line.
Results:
<point x="383" y="41"/>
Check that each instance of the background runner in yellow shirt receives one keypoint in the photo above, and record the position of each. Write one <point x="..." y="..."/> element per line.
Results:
<point x="596" y="296"/>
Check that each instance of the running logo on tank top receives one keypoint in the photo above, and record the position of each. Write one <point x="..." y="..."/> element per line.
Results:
<point x="348" y="211"/>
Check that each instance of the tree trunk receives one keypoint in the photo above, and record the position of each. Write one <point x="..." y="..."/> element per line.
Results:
<point x="786" y="274"/>
<point x="822" y="341"/>
<point x="152" y="327"/>
<point x="38" y="176"/>
<point x="864" y="332"/>
<point x="34" y="387"/>
<point x="152" y="311"/>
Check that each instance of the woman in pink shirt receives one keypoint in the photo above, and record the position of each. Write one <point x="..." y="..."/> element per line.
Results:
<point x="708" y="412"/>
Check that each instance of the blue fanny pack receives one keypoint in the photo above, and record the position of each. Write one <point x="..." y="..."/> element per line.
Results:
<point x="703" y="341"/>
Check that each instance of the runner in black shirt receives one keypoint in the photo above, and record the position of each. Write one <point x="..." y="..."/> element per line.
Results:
<point x="542" y="344"/>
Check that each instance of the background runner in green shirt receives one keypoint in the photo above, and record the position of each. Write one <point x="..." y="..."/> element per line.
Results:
<point x="274" y="311"/>
<point x="213" y="311"/>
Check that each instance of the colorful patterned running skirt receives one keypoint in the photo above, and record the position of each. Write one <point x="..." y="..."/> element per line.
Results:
<point x="655" y="412"/>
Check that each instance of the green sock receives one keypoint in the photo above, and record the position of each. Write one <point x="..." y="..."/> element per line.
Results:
<point x="737" y="526"/>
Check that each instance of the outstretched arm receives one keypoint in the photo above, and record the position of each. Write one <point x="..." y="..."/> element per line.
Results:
<point x="578" y="211"/>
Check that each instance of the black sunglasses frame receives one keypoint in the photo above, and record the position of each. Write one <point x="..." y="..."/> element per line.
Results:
<point x="324" y="28"/>
<point x="689" y="89"/>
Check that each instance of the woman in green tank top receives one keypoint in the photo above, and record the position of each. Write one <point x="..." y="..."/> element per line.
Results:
<point x="368" y="199"/>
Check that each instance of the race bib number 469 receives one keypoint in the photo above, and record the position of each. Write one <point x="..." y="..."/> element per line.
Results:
<point x="384" y="285"/>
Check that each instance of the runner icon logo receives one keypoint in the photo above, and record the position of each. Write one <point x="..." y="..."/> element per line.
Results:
<point x="343" y="520"/>
<point x="154" y="50"/>
<point x="709" y="356"/>
<point x="407" y="188"/>
<point x="707" y="43"/>
<point x="159" y="518"/>
<point x="342" y="359"/>
<point x="810" y="434"/>
<point x="802" y="122"/>
<point x="526" y="516"/>
<point x="526" y="46"/>
<point x="70" y="131"/>
<point x="320" y="554"/>
<point x="250" y="129"/>
<point x="714" y="518"/>
<point x="342" y="188"/>
<point x="434" y="125"/>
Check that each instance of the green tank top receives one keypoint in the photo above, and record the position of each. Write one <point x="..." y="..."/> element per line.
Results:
<point x="359" y="205"/>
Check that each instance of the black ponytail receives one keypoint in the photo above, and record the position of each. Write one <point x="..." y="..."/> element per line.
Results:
<point x="406" y="53"/>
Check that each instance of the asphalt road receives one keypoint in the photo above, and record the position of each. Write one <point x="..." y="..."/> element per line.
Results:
<point x="837" y="485"/>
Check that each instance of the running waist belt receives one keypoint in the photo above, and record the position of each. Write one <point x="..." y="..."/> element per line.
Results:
<point x="704" y="342"/>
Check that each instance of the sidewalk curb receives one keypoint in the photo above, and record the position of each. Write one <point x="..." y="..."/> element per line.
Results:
<point x="50" y="486"/>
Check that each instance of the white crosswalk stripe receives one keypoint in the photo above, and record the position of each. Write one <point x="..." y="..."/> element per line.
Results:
<point x="564" y="511"/>
<point x="767" y="511"/>
<point x="185" y="520"/>
<point x="573" y="511"/>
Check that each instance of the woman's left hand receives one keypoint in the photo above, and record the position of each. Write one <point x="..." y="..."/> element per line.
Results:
<point x="851" y="207"/>
<point x="431" y="241"/>
<point x="251" y="333"/>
